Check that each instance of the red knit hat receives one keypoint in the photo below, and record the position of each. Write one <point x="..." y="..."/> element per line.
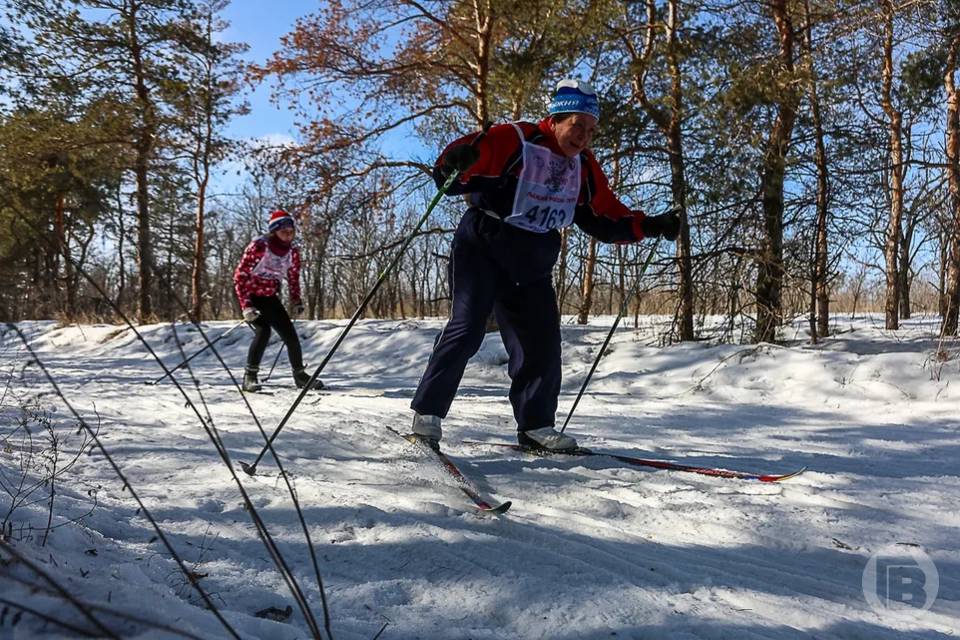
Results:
<point x="278" y="220"/>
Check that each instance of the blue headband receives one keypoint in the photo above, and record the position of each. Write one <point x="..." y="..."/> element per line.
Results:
<point x="573" y="96"/>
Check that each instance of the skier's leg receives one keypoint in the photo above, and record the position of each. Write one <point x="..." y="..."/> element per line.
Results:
<point x="280" y="321"/>
<point x="530" y="326"/>
<point x="288" y="333"/>
<point x="473" y="282"/>
<point x="261" y="333"/>
<point x="261" y="336"/>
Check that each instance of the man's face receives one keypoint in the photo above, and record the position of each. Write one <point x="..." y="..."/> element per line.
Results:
<point x="574" y="134"/>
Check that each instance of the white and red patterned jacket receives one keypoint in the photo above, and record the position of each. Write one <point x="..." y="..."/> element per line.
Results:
<point x="261" y="269"/>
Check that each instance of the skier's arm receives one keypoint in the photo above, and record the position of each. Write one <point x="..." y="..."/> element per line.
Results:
<point x="293" y="276"/>
<point x="603" y="216"/>
<point x="241" y="276"/>
<point x="493" y="151"/>
<point x="624" y="230"/>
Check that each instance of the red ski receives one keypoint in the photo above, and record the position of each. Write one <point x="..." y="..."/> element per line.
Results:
<point x="656" y="464"/>
<point x="450" y="467"/>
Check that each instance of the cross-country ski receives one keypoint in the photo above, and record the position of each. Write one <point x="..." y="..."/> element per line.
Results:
<point x="463" y="483"/>
<point x="666" y="465"/>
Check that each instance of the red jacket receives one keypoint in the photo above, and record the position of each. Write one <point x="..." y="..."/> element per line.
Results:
<point x="494" y="177"/>
<point x="247" y="283"/>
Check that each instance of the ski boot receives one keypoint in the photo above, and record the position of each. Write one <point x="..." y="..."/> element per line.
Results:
<point x="301" y="377"/>
<point x="250" y="382"/>
<point x="546" y="439"/>
<point x="427" y="428"/>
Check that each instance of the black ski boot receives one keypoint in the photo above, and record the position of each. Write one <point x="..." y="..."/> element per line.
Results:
<point x="301" y="377"/>
<point x="250" y="382"/>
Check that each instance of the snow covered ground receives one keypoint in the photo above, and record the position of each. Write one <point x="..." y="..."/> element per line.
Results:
<point x="592" y="548"/>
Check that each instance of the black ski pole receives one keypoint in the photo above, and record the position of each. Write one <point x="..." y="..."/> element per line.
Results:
<point x="224" y="335"/>
<point x="251" y="469"/>
<point x="620" y="314"/>
<point x="275" y="361"/>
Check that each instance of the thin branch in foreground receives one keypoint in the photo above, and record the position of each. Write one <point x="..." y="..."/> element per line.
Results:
<point x="328" y="623"/>
<point x="275" y="555"/>
<point x="84" y="611"/>
<point x="126" y="485"/>
<point x="48" y="618"/>
<point x="122" y="615"/>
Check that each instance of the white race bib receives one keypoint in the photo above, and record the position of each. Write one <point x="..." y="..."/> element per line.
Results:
<point x="272" y="266"/>
<point x="547" y="189"/>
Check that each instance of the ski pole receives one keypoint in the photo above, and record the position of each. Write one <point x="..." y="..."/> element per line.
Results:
<point x="251" y="469"/>
<point x="224" y="335"/>
<point x="275" y="361"/>
<point x="277" y="358"/>
<point x="620" y="314"/>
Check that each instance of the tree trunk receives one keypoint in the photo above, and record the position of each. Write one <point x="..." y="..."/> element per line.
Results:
<point x="892" y="241"/>
<point x="821" y="277"/>
<point x="812" y="303"/>
<point x="485" y="20"/>
<point x="587" y="292"/>
<point x="670" y="124"/>
<point x="121" y="261"/>
<point x="943" y="254"/>
<point x="144" y="244"/>
<point x="143" y="147"/>
<point x="770" y="270"/>
<point x="678" y="187"/>
<point x="820" y="292"/>
<point x="622" y="275"/>
<point x="562" y="268"/>
<point x="202" y="177"/>
<point x="166" y="308"/>
<point x="196" y="278"/>
<point x="952" y="148"/>
<point x="904" y="273"/>
<point x="678" y="180"/>
<point x="733" y="302"/>
<point x="70" y="294"/>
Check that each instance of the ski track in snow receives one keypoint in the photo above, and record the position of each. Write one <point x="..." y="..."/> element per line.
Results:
<point x="592" y="548"/>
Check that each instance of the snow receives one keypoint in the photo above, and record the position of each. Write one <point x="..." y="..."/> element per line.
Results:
<point x="591" y="548"/>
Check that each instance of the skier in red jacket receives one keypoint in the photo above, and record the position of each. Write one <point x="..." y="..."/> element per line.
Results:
<point x="524" y="182"/>
<point x="266" y="262"/>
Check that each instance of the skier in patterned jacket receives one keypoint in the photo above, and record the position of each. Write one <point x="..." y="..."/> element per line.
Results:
<point x="523" y="182"/>
<point x="265" y="263"/>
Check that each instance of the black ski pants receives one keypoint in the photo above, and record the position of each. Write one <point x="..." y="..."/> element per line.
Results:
<point x="529" y="323"/>
<point x="273" y="316"/>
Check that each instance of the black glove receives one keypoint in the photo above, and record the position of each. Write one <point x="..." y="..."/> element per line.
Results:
<point x="298" y="309"/>
<point x="666" y="226"/>
<point x="460" y="158"/>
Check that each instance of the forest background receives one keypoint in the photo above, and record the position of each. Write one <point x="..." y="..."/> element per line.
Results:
<point x="811" y="147"/>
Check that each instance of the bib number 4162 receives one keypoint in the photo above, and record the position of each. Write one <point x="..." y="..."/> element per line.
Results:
<point x="544" y="217"/>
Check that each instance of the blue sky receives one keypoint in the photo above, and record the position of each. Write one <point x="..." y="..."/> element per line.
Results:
<point x="261" y="24"/>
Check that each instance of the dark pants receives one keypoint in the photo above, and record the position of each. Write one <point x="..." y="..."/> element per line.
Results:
<point x="529" y="325"/>
<point x="273" y="316"/>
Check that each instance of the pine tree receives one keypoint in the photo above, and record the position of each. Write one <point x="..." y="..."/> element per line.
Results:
<point x="128" y="50"/>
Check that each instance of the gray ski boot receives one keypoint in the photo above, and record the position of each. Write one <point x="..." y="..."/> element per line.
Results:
<point x="546" y="439"/>
<point x="428" y="428"/>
